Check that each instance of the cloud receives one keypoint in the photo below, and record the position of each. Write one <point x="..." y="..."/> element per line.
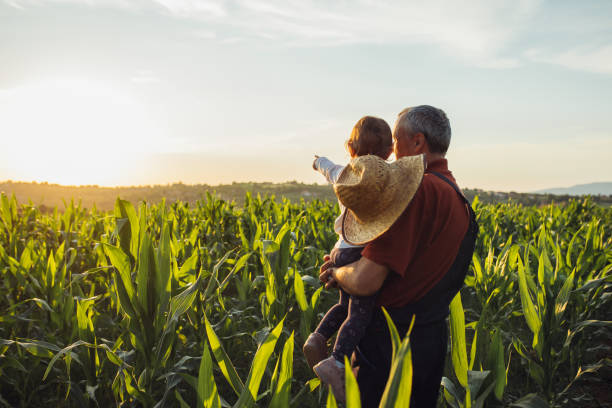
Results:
<point x="205" y="34"/>
<point x="189" y="8"/>
<point x="478" y="31"/>
<point x="590" y="59"/>
<point x="145" y="77"/>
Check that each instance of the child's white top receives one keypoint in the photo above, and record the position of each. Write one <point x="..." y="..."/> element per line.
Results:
<point x="332" y="171"/>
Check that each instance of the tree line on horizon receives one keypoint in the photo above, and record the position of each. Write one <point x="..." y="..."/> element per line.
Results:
<point x="49" y="196"/>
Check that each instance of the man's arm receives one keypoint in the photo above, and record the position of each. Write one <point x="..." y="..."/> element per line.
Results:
<point x="361" y="278"/>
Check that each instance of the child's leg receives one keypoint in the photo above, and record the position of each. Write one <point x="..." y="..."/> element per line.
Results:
<point x="334" y="316"/>
<point x="360" y="312"/>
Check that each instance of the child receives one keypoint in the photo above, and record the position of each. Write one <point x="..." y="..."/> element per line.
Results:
<point x="352" y="314"/>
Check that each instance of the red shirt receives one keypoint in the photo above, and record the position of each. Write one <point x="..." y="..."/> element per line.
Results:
<point x="422" y="244"/>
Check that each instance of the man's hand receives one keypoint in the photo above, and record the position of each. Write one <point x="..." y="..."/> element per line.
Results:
<point x="314" y="161"/>
<point x="326" y="273"/>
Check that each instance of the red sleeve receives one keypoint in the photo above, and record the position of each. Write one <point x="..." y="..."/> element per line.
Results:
<point x="395" y="249"/>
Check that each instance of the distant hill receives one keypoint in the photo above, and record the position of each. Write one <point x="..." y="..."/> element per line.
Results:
<point x="49" y="196"/>
<point x="604" y="188"/>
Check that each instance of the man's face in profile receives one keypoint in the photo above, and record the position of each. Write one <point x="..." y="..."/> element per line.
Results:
<point x="401" y="139"/>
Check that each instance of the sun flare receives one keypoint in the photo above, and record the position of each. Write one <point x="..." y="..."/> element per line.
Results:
<point x="71" y="131"/>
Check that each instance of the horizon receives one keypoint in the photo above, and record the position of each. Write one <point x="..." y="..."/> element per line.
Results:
<point x="129" y="93"/>
<point x="318" y="184"/>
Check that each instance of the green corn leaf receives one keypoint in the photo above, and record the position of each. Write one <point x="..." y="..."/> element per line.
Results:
<point x="124" y="298"/>
<point x="60" y="354"/>
<point x="237" y="267"/>
<point x="475" y="381"/>
<point x="66" y="350"/>
<point x="128" y="234"/>
<point x="180" y="303"/>
<point x="51" y="272"/>
<point x="145" y="277"/>
<point x="474" y="346"/>
<point x="163" y="276"/>
<point x="300" y="294"/>
<point x="399" y="385"/>
<point x="477" y="267"/>
<point x="499" y="368"/>
<point x="580" y="326"/>
<point x="283" y="239"/>
<point x="314" y="299"/>
<point x="331" y="400"/>
<point x="223" y="361"/>
<point x="188" y="267"/>
<point x="451" y="394"/>
<point x="243" y="237"/>
<point x="353" y="397"/>
<point x="83" y="322"/>
<point x="6" y="212"/>
<point x="563" y="297"/>
<point x="280" y="398"/>
<point x="260" y="361"/>
<point x="513" y="255"/>
<point x="395" y="338"/>
<point x="213" y="281"/>
<point x="458" y="345"/>
<point x="37" y="348"/>
<point x="121" y="262"/>
<point x="132" y="387"/>
<point x="529" y="310"/>
<point x="208" y="397"/>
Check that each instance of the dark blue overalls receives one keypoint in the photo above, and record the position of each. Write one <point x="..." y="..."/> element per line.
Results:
<point x="429" y="337"/>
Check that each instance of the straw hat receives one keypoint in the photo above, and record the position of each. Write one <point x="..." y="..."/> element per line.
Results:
<point x="375" y="193"/>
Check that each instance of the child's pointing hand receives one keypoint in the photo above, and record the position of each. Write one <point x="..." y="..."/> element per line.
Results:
<point x="313" y="163"/>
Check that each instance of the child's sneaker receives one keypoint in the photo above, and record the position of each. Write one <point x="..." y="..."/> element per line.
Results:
<point x="315" y="349"/>
<point x="331" y="373"/>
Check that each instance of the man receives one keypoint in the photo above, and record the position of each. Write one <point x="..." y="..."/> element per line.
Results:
<point x="417" y="266"/>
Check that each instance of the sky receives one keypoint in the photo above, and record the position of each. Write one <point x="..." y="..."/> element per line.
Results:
<point x="136" y="92"/>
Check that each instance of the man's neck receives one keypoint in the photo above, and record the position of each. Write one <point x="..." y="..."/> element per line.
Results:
<point x="432" y="157"/>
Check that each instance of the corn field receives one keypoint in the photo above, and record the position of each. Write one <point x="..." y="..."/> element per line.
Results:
<point x="208" y="305"/>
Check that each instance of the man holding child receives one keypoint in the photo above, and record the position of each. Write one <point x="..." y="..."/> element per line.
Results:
<point x="415" y="267"/>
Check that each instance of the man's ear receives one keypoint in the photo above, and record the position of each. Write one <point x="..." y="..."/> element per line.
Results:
<point x="418" y="139"/>
<point x="419" y="143"/>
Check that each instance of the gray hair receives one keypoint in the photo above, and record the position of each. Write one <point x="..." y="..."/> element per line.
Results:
<point x="430" y="121"/>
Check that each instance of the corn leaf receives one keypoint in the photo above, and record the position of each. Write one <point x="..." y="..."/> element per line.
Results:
<point x="208" y="397"/>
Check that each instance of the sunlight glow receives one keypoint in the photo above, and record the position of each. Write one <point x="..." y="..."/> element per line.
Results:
<point x="72" y="131"/>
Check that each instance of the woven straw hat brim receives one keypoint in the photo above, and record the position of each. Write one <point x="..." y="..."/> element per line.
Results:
<point x="406" y="176"/>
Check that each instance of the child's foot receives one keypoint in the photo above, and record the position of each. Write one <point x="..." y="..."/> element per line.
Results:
<point x="315" y="349"/>
<point x="331" y="373"/>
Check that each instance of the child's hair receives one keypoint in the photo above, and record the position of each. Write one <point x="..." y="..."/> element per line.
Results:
<point x="370" y="135"/>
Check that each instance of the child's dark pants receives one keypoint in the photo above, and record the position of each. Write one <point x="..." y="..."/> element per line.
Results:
<point x="351" y="315"/>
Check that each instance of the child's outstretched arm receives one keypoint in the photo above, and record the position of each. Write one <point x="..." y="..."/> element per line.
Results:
<point x="327" y="168"/>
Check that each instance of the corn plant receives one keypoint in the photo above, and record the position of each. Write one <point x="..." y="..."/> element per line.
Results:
<point x="208" y="303"/>
<point x="470" y="380"/>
